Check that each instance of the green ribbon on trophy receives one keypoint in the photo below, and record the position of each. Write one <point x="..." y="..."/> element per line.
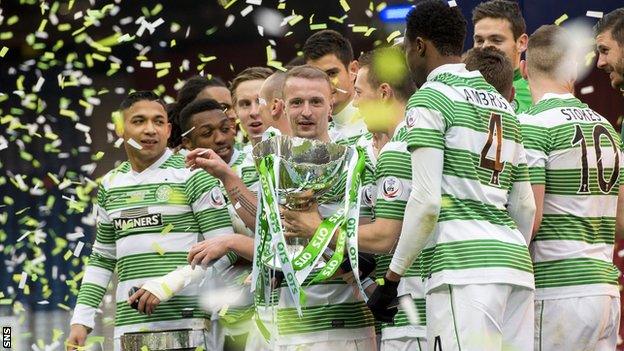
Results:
<point x="293" y="172"/>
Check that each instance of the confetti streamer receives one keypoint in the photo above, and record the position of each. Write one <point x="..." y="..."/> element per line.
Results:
<point x="595" y="14"/>
<point x="134" y="144"/>
<point x="561" y="19"/>
<point x="587" y="90"/>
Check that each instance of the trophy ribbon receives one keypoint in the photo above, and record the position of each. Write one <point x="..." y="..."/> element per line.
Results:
<point x="271" y="211"/>
<point x="350" y="223"/>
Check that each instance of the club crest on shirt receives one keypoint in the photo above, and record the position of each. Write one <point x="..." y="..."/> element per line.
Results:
<point x="391" y="188"/>
<point x="410" y="117"/>
<point x="367" y="195"/>
<point x="163" y="193"/>
<point x="216" y="198"/>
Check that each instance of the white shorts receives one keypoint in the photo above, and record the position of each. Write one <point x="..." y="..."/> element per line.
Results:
<point x="369" y="344"/>
<point x="480" y="317"/>
<point x="404" y="344"/>
<point x="577" y="323"/>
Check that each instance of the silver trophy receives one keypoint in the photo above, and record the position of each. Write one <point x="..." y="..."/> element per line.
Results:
<point x="179" y="340"/>
<point x="307" y="169"/>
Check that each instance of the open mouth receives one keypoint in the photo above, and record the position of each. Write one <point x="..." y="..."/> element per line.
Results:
<point x="223" y="150"/>
<point x="149" y="142"/>
<point x="306" y="123"/>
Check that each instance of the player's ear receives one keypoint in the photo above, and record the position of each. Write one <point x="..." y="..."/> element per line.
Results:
<point x="522" y="43"/>
<point x="187" y="143"/>
<point x="277" y="108"/>
<point x="353" y="68"/>
<point x="420" y="46"/>
<point x="386" y="91"/>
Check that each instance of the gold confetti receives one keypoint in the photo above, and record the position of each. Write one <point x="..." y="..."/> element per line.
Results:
<point x="561" y="18"/>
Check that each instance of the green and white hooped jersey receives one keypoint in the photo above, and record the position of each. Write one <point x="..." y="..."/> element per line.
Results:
<point x="577" y="155"/>
<point x="147" y="222"/>
<point x="393" y="182"/>
<point x="475" y="241"/>
<point x="332" y="311"/>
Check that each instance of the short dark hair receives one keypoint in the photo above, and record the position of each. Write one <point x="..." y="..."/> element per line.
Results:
<point x="503" y="9"/>
<point x="141" y="95"/>
<point x="614" y="22"/>
<point x="189" y="91"/>
<point x="493" y="65"/>
<point x="404" y="87"/>
<point x="436" y="21"/>
<point x="548" y="50"/>
<point x="295" y="61"/>
<point x="249" y="73"/>
<point x="327" y="42"/>
<point x="194" y="108"/>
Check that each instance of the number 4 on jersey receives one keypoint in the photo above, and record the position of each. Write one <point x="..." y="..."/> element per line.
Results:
<point x="495" y="129"/>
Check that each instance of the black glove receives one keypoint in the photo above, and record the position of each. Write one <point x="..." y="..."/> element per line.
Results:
<point x="382" y="302"/>
<point x="366" y="264"/>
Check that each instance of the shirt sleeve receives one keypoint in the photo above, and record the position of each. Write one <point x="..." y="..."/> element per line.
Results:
<point x="99" y="269"/>
<point x="536" y="141"/>
<point x="209" y="204"/>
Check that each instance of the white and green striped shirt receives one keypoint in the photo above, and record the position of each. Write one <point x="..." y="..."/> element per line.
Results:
<point x="576" y="154"/>
<point x="147" y="222"/>
<point x="475" y="240"/>
<point x="393" y="177"/>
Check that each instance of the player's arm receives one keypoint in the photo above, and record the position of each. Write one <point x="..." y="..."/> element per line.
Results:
<point x="244" y="201"/>
<point x="98" y="274"/>
<point x="380" y="236"/>
<point x="536" y="147"/>
<point x="422" y="209"/>
<point x="619" y="216"/>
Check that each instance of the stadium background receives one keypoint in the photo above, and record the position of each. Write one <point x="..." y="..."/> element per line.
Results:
<point x="43" y="215"/>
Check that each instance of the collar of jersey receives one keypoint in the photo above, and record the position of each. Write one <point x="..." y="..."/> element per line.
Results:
<point x="156" y="164"/>
<point x="557" y="96"/>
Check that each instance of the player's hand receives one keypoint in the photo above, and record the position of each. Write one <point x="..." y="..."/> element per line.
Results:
<point x="209" y="250"/>
<point x="147" y="301"/>
<point x="381" y="299"/>
<point x="301" y="224"/>
<point x="209" y="161"/>
<point x="77" y="337"/>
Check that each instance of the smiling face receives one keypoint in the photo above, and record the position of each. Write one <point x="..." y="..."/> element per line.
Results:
<point x="212" y="130"/>
<point x="146" y="123"/>
<point x="247" y="108"/>
<point x="497" y="32"/>
<point x="341" y="77"/>
<point x="308" y="107"/>
<point x="611" y="58"/>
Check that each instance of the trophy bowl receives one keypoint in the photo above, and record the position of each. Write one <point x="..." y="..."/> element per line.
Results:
<point x="181" y="340"/>
<point x="307" y="169"/>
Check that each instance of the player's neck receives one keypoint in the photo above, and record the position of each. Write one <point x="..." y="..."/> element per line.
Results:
<point x="540" y="87"/>
<point x="438" y="60"/>
<point x="399" y="107"/>
<point x="139" y="164"/>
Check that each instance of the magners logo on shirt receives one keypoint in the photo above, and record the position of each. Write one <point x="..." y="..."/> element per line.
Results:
<point x="145" y="221"/>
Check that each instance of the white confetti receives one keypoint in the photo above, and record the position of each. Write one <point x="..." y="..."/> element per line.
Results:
<point x="78" y="248"/>
<point x="261" y="31"/>
<point x="118" y="143"/>
<point x="77" y="15"/>
<point x="410" y="310"/>
<point x="188" y="131"/>
<point x="74" y="236"/>
<point x="82" y="127"/>
<point x="452" y="3"/>
<point x="230" y="19"/>
<point x="134" y="144"/>
<point x="246" y="10"/>
<point x="22" y="282"/>
<point x="254" y="2"/>
<point x="38" y="260"/>
<point x="587" y="90"/>
<point x="146" y="64"/>
<point x="620" y="253"/>
<point x="37" y="87"/>
<point x="595" y="14"/>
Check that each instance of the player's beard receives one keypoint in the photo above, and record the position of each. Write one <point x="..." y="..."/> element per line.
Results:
<point x="619" y="69"/>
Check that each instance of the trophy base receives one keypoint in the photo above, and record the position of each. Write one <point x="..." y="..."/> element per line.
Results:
<point x="179" y="340"/>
